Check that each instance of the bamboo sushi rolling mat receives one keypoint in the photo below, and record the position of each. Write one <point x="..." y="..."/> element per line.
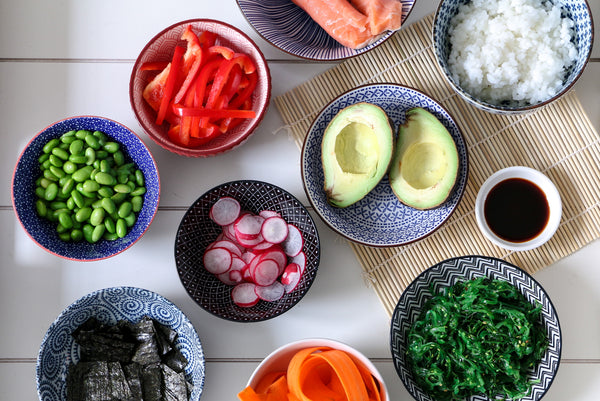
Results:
<point x="558" y="140"/>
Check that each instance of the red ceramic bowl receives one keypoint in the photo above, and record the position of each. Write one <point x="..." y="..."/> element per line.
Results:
<point x="161" y="47"/>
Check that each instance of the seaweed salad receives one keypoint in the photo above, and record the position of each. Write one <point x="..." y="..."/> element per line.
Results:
<point x="477" y="337"/>
<point x="127" y="362"/>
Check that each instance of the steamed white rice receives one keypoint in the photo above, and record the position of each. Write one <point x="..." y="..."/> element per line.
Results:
<point x="511" y="50"/>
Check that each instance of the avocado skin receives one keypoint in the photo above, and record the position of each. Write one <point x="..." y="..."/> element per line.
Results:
<point x="356" y="152"/>
<point x="424" y="166"/>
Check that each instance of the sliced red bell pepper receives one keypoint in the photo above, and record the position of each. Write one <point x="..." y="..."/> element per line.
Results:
<point x="183" y="111"/>
<point x="224" y="51"/>
<point x="192" y="61"/>
<point x="172" y="78"/>
<point x="207" y="39"/>
<point x="154" y="65"/>
<point x="245" y="93"/>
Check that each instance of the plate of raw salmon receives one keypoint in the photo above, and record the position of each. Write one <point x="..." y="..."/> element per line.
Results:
<point x="326" y="30"/>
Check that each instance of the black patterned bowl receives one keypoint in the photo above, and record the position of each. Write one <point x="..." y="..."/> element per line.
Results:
<point x="196" y="231"/>
<point x="109" y="305"/>
<point x="448" y="273"/>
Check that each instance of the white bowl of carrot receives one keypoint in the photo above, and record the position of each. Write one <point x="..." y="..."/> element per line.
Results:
<point x="319" y="369"/>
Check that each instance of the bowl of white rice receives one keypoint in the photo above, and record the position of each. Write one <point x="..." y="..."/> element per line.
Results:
<point x="512" y="56"/>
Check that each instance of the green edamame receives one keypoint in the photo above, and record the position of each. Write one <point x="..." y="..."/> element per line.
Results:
<point x="87" y="187"/>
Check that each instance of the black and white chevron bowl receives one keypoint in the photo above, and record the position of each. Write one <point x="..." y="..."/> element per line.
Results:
<point x="463" y="268"/>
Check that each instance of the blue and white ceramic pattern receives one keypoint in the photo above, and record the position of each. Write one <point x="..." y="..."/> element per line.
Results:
<point x="577" y="10"/>
<point x="448" y="273"/>
<point x="287" y="27"/>
<point x="110" y="305"/>
<point x="42" y="231"/>
<point x="379" y="219"/>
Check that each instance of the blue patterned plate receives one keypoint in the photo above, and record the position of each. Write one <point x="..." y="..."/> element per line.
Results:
<point x="379" y="219"/>
<point x="110" y="305"/>
<point x="448" y="273"/>
<point x="290" y="29"/>
<point x="41" y="231"/>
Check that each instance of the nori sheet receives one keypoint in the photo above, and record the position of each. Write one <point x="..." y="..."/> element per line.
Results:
<point x="127" y="362"/>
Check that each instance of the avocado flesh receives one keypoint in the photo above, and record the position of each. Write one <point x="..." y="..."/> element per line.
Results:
<point x="424" y="168"/>
<point x="356" y="152"/>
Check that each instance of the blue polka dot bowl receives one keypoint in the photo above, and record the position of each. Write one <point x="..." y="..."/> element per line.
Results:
<point x="517" y="102"/>
<point x="109" y="306"/>
<point x="44" y="232"/>
<point x="380" y="219"/>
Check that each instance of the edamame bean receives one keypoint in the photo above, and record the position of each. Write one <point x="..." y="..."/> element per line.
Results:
<point x="125" y="209"/>
<point x="83" y="214"/>
<point x="90" y="186"/>
<point x="97" y="216"/>
<point x="104" y="178"/>
<point x="51" y="192"/>
<point x="97" y="233"/>
<point x="122" y="188"/>
<point x="87" y="187"/>
<point x="121" y="228"/>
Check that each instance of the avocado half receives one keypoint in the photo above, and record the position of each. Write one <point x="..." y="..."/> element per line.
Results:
<point x="356" y="151"/>
<point x="424" y="168"/>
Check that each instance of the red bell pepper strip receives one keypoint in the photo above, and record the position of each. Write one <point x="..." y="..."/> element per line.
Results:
<point x="245" y="93"/>
<point x="154" y="65"/>
<point x="172" y="79"/>
<point x="213" y="113"/>
<point x="224" y="51"/>
<point x="207" y="39"/>
<point x="192" y="61"/>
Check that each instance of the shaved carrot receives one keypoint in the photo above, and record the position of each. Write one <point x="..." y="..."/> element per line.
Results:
<point x="314" y="374"/>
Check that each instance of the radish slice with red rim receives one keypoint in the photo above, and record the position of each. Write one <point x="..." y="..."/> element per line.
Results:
<point x="229" y="245"/>
<point x="291" y="277"/>
<point x="225" y="210"/>
<point x="268" y="213"/>
<point x="274" y="230"/>
<point x="248" y="226"/>
<point x="270" y="293"/>
<point x="265" y="272"/>
<point x="300" y="260"/>
<point x="294" y="242"/>
<point x="217" y="260"/>
<point x="244" y="295"/>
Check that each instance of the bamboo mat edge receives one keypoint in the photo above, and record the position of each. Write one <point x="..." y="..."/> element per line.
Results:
<point x="558" y="140"/>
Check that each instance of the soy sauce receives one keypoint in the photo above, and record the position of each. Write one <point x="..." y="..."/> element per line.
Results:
<point x="516" y="210"/>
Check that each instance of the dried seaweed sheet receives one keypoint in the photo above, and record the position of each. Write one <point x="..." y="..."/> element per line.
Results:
<point x="127" y="362"/>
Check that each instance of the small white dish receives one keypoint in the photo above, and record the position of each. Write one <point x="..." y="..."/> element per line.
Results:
<point x="544" y="184"/>
<point x="279" y="359"/>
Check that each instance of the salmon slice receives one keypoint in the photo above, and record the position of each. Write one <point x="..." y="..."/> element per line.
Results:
<point x="383" y="15"/>
<point x="340" y="20"/>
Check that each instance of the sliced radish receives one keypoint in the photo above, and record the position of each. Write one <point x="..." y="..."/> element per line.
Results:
<point x="229" y="232"/>
<point x="265" y="272"/>
<point x="274" y="230"/>
<point x="249" y="242"/>
<point x="270" y="293"/>
<point x="268" y="213"/>
<point x="294" y="242"/>
<point x="277" y="255"/>
<point x="248" y="226"/>
<point x="300" y="260"/>
<point x="225" y="210"/>
<point x="291" y="277"/>
<point x="262" y="246"/>
<point x="231" y="246"/>
<point x="244" y="295"/>
<point x="225" y="278"/>
<point x="217" y="260"/>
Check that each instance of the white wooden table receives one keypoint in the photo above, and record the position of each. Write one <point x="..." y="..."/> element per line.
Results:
<point x="73" y="57"/>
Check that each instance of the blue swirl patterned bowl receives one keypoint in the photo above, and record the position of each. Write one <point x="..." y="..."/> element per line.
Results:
<point x="290" y="29"/>
<point x="41" y="231"/>
<point x="110" y="305"/>
<point x="448" y="273"/>
<point x="379" y="219"/>
<point x="578" y="10"/>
